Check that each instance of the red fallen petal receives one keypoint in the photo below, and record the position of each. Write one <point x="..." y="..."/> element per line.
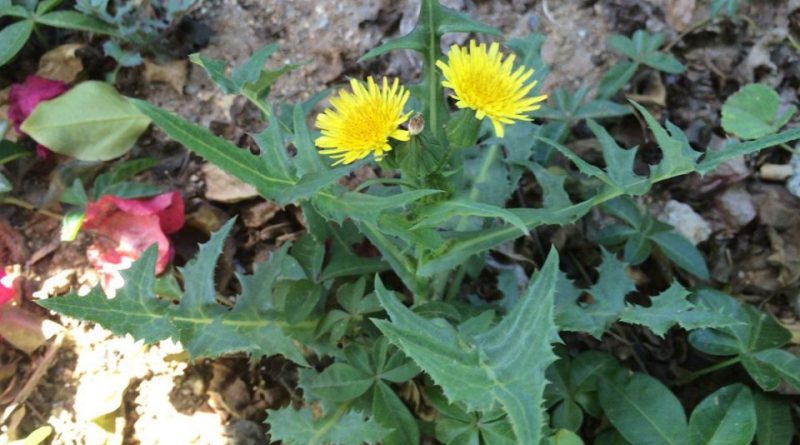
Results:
<point x="23" y="98"/>
<point x="8" y="288"/>
<point x="42" y="152"/>
<point x="120" y="241"/>
<point x="168" y="206"/>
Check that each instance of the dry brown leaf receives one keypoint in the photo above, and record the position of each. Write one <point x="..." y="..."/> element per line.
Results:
<point x="172" y="73"/>
<point x="24" y="330"/>
<point x="222" y="187"/>
<point x="61" y="63"/>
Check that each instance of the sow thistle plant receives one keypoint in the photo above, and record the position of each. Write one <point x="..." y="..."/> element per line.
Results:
<point x="361" y="327"/>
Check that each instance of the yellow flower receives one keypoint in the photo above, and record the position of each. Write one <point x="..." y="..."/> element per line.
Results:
<point x="361" y="122"/>
<point x="483" y="81"/>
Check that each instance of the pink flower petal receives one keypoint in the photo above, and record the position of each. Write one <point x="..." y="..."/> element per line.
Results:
<point x="124" y="228"/>
<point x="8" y="288"/>
<point x="168" y="206"/>
<point x="23" y="98"/>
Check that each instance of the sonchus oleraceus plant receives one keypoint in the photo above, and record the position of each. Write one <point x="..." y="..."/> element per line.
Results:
<point x="451" y="148"/>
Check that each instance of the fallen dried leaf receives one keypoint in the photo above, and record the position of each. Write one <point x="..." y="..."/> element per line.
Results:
<point x="222" y="187"/>
<point x="61" y="63"/>
<point x="172" y="73"/>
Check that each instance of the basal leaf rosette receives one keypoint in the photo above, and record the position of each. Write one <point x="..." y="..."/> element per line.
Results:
<point x="360" y="122"/>
<point x="486" y="82"/>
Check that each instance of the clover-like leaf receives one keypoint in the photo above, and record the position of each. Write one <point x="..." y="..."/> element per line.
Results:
<point x="753" y="112"/>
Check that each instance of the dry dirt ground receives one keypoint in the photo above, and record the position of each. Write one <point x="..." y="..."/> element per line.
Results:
<point x="151" y="395"/>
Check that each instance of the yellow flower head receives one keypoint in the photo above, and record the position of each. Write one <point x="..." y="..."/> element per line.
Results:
<point x="483" y="81"/>
<point x="361" y="122"/>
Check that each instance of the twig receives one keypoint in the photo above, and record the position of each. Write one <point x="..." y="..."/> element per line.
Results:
<point x="41" y="368"/>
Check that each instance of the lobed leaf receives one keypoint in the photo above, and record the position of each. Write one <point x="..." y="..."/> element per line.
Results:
<point x="504" y="365"/>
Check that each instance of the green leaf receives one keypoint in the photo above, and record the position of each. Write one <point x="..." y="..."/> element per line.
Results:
<point x="682" y="253"/>
<point x="608" y="295"/>
<point x="307" y="159"/>
<point x="13" y="38"/>
<point x="441" y="212"/>
<point x="615" y="79"/>
<point x="455" y="426"/>
<point x="671" y="307"/>
<point x="619" y="163"/>
<point x="229" y="157"/>
<point x="565" y="437"/>
<point x="71" y="224"/>
<point x="642" y="47"/>
<point x="643" y="410"/>
<point x="727" y="7"/>
<point x="781" y="363"/>
<point x="678" y="156"/>
<point x="715" y="158"/>
<point x="774" y="420"/>
<point x="135" y="309"/>
<point x="216" y="71"/>
<point x="77" y="21"/>
<point x="726" y="417"/>
<point x="339" y="427"/>
<point x="365" y="207"/>
<point x="505" y="365"/>
<point x="205" y="327"/>
<point x="339" y="382"/>
<point x="752" y="112"/>
<point x="106" y="128"/>
<point x="757" y="331"/>
<point x="392" y="413"/>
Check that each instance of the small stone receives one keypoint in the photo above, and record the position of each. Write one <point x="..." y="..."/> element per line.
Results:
<point x="686" y="221"/>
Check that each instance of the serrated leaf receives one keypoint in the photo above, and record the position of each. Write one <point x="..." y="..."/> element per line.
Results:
<point x="135" y="309"/>
<point x="774" y="420"/>
<point x="726" y="417"/>
<point x="339" y="427"/>
<point x="643" y="410"/>
<point x="552" y="184"/>
<point x="307" y="159"/>
<point x="441" y="212"/>
<point x="672" y="307"/>
<point x="504" y="365"/>
<point x="365" y="207"/>
<point x="205" y="327"/>
<point x="339" y="382"/>
<point x="619" y="163"/>
<point x="678" y="155"/>
<point x="752" y="112"/>
<point x="106" y="128"/>
<point x="608" y="299"/>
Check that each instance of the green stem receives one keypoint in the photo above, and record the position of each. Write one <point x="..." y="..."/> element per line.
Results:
<point x="708" y="370"/>
<point x="455" y="285"/>
<point x="28" y="206"/>
<point x="430" y="68"/>
<point x="373" y="181"/>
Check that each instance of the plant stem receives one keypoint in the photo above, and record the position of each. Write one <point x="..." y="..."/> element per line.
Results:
<point x="715" y="367"/>
<point x="28" y="206"/>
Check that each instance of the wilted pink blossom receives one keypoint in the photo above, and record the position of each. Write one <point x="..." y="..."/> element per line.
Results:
<point x="8" y="287"/>
<point x="24" y="97"/>
<point x="124" y="228"/>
